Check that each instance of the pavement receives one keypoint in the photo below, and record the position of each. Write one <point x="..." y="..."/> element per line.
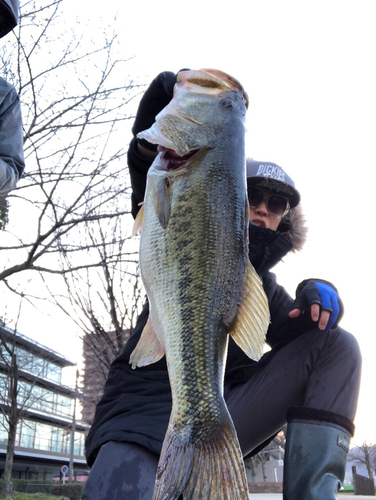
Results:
<point x="278" y="496"/>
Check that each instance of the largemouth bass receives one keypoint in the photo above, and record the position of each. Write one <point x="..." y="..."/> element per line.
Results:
<point x="200" y="283"/>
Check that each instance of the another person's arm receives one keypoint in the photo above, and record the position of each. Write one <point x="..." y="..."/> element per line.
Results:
<point x="12" y="162"/>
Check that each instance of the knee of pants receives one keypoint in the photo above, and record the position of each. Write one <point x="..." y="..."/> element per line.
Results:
<point x="349" y="345"/>
<point x="122" y="470"/>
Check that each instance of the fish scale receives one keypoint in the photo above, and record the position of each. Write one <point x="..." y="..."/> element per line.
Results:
<point x="199" y="281"/>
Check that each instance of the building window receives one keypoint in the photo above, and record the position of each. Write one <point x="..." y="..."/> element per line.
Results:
<point x="26" y="434"/>
<point x="32" y="363"/>
<point x="38" y="436"/>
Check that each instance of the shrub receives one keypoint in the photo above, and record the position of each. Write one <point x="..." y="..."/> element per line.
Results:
<point x="72" y="491"/>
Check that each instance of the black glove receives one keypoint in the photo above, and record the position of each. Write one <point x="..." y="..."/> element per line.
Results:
<point x="156" y="97"/>
<point x="323" y="293"/>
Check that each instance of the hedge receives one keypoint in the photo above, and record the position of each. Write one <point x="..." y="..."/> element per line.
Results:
<point x="73" y="491"/>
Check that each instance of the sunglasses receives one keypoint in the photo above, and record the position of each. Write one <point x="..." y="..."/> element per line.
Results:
<point x="277" y="205"/>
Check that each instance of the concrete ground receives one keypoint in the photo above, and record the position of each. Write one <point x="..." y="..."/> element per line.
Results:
<point x="278" y="496"/>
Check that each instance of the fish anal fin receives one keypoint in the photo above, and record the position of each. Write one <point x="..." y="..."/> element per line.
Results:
<point x="252" y="320"/>
<point x="161" y="200"/>
<point x="148" y="349"/>
<point x="137" y="225"/>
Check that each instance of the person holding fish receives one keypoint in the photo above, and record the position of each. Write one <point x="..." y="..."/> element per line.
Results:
<point x="167" y="419"/>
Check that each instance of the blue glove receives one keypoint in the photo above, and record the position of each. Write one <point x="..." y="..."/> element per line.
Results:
<point x="323" y="293"/>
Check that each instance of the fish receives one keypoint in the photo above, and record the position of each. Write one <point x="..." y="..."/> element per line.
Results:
<point x="200" y="284"/>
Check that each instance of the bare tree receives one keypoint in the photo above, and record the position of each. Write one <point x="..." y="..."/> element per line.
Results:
<point x="272" y="450"/>
<point x="251" y="463"/>
<point x="9" y="408"/>
<point x="366" y="455"/>
<point x="74" y="97"/>
<point x="103" y="301"/>
<point x="67" y="223"/>
<point x="263" y="457"/>
<point x="3" y="212"/>
<point x="22" y="391"/>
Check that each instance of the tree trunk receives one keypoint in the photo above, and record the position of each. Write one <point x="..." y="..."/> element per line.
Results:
<point x="253" y="469"/>
<point x="262" y="459"/>
<point x="12" y="418"/>
<point x="7" y="476"/>
<point x="369" y="467"/>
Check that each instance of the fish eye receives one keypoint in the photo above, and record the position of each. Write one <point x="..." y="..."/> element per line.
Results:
<point x="227" y="103"/>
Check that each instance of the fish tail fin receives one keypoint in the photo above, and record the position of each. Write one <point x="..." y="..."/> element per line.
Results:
<point x="213" y="469"/>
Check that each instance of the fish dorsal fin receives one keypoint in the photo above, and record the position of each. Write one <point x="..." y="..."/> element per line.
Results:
<point x="252" y="320"/>
<point x="137" y="225"/>
<point x="148" y="349"/>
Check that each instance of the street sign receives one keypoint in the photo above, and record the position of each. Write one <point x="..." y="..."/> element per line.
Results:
<point x="64" y="470"/>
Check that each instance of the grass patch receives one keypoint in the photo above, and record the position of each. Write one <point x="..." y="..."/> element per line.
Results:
<point x="30" y="496"/>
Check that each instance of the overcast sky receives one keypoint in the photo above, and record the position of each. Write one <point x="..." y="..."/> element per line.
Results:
<point x="308" y="68"/>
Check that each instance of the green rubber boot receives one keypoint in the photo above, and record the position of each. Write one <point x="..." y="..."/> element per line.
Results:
<point x="317" y="444"/>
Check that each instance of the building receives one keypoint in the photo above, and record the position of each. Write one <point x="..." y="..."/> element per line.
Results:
<point x="47" y="423"/>
<point x="99" y="350"/>
<point x="267" y="466"/>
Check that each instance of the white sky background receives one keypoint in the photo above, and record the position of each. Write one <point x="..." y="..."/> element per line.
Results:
<point x="309" y="70"/>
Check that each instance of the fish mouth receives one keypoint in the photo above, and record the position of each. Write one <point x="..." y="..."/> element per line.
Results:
<point x="171" y="160"/>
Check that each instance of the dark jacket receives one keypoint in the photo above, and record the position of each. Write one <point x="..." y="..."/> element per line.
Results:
<point x="136" y="404"/>
<point x="8" y="15"/>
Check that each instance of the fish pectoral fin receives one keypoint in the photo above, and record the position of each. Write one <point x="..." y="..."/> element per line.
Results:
<point x="252" y="320"/>
<point x="137" y="225"/>
<point x="148" y="349"/>
<point x="161" y="200"/>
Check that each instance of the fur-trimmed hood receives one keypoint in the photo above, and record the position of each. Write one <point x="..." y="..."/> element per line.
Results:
<point x="294" y="228"/>
<point x="268" y="247"/>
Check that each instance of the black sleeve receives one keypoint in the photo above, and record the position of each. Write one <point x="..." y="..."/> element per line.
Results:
<point x="138" y="169"/>
<point x="283" y="329"/>
<point x="280" y="304"/>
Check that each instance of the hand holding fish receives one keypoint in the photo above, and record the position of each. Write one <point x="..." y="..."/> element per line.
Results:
<point x="156" y="97"/>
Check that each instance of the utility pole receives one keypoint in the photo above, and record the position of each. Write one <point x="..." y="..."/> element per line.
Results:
<point x="71" y="454"/>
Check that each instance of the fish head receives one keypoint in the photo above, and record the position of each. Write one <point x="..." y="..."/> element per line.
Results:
<point x="196" y="115"/>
